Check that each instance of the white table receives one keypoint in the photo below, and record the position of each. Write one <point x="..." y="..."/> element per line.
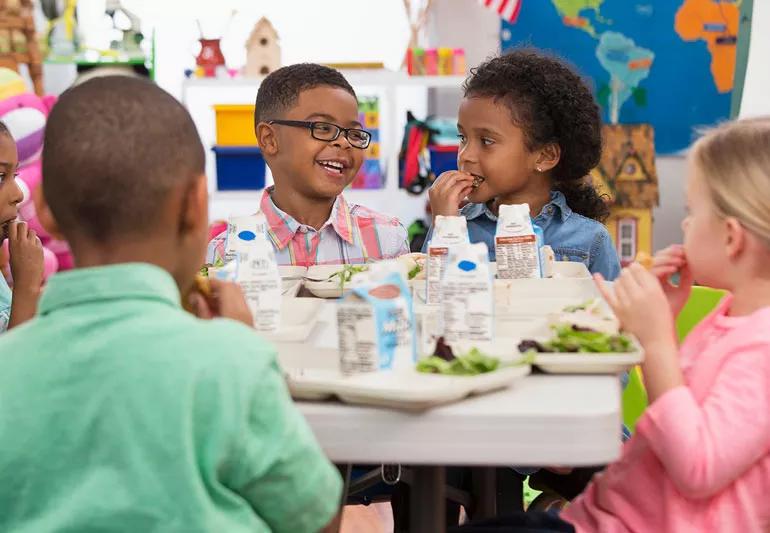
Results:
<point x="563" y="420"/>
<point x="541" y="420"/>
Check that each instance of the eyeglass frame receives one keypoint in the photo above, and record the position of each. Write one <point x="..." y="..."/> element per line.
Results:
<point x="311" y="125"/>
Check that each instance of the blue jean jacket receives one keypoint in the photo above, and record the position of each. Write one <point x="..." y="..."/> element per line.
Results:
<point x="573" y="237"/>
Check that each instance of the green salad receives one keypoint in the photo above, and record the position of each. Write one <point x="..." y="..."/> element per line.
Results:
<point x="470" y="364"/>
<point x="445" y="362"/>
<point x="347" y="272"/>
<point x="574" y="339"/>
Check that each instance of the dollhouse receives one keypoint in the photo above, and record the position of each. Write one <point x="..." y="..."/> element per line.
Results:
<point x="626" y="175"/>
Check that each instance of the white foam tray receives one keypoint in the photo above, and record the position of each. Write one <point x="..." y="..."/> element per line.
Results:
<point x="584" y="363"/>
<point x="588" y="363"/>
<point x="406" y="389"/>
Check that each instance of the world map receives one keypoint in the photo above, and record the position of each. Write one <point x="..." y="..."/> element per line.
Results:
<point x="669" y="63"/>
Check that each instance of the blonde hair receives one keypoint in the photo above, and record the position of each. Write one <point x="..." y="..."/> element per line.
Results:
<point x="734" y="162"/>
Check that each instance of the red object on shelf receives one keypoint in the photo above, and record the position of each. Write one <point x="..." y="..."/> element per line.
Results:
<point x="210" y="57"/>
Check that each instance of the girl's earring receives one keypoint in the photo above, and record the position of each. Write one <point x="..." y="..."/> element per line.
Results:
<point x="539" y="169"/>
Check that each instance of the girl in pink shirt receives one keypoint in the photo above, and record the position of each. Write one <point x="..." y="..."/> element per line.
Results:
<point x="700" y="458"/>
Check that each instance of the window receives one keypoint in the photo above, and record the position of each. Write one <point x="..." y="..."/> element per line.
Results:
<point x="627" y="239"/>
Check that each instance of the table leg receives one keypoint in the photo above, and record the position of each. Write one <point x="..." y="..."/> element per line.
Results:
<point x="484" y="492"/>
<point x="427" y="499"/>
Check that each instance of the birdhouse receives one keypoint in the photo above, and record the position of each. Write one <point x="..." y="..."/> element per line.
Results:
<point x="626" y="175"/>
<point x="263" y="53"/>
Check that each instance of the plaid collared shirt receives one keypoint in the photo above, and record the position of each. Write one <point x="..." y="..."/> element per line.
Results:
<point x="353" y="234"/>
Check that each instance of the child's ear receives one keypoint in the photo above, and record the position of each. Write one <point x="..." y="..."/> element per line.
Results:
<point x="548" y="157"/>
<point x="195" y="206"/>
<point x="44" y="214"/>
<point x="735" y="237"/>
<point x="267" y="139"/>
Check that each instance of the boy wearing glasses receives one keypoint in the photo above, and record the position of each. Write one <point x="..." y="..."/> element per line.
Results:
<point x="306" y="121"/>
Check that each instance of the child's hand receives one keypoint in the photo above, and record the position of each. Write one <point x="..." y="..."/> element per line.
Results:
<point x="450" y="190"/>
<point x="226" y="301"/>
<point x="667" y="263"/>
<point x="640" y="304"/>
<point x="26" y="258"/>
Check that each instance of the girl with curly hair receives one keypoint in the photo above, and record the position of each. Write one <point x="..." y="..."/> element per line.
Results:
<point x="530" y="132"/>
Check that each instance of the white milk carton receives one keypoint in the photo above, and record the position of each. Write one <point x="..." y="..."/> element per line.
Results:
<point x="376" y="324"/>
<point x="257" y="270"/>
<point x="447" y="232"/>
<point x="517" y="249"/>
<point x="468" y="294"/>
<point x="231" y="240"/>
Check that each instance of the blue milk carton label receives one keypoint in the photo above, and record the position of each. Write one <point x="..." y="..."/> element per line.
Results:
<point x="252" y="224"/>
<point x="376" y="327"/>
<point x="256" y="271"/>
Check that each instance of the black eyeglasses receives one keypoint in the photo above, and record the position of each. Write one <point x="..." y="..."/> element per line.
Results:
<point x="326" y="131"/>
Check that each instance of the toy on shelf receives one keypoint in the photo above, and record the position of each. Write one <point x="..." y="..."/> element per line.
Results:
<point x="62" y="35"/>
<point x="25" y="115"/>
<point x="210" y="59"/>
<point x="131" y="36"/>
<point x="627" y="175"/>
<point x="263" y="52"/>
<point x="18" y="41"/>
<point x="118" y="45"/>
<point x="370" y="176"/>
<point x="435" y="62"/>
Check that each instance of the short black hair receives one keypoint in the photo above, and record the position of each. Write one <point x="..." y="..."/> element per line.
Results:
<point x="551" y="103"/>
<point x="280" y="90"/>
<point x="114" y="147"/>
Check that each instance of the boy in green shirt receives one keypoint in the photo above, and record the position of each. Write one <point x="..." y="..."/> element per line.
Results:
<point x="120" y="411"/>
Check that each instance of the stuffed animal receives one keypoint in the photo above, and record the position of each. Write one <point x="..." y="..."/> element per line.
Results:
<point x="25" y="115"/>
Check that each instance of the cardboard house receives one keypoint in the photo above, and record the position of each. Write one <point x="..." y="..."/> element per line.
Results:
<point x="263" y="53"/>
<point x="626" y="175"/>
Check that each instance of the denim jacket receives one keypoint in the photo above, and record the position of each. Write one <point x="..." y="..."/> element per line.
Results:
<point x="573" y="237"/>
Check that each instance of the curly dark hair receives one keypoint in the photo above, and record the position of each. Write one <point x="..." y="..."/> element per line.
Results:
<point x="551" y="103"/>
<point x="280" y="90"/>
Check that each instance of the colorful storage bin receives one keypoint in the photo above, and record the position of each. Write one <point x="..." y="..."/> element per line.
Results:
<point x="235" y="125"/>
<point x="442" y="158"/>
<point x="239" y="168"/>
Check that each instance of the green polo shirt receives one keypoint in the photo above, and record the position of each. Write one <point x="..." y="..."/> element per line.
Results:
<point x="121" y="412"/>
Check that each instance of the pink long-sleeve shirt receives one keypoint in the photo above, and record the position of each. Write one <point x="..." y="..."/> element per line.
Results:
<point x="700" y="458"/>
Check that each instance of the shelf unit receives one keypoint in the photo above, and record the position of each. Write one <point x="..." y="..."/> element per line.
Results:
<point x="398" y="92"/>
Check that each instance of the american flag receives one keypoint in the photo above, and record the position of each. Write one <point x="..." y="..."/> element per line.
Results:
<point x="507" y="9"/>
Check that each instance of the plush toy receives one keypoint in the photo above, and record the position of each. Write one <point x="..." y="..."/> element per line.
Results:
<point x="25" y="115"/>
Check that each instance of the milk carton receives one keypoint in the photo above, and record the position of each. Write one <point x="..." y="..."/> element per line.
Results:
<point x="547" y="259"/>
<point x="376" y="324"/>
<point x="447" y="232"/>
<point x="257" y="270"/>
<point x="468" y="294"/>
<point x="516" y="243"/>
<point x="233" y="223"/>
